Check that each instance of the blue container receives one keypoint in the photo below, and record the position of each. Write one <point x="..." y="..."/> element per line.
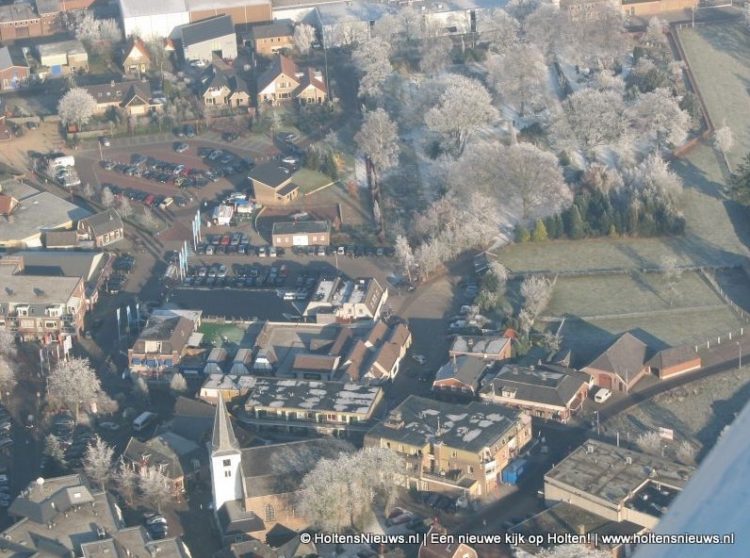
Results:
<point x="513" y="472"/>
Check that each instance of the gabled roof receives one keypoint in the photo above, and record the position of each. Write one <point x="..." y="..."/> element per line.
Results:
<point x="137" y="44"/>
<point x="7" y="203"/>
<point x="673" y="356"/>
<point x="207" y="30"/>
<point x="217" y="76"/>
<point x="279" y="65"/>
<point x="314" y="78"/>
<point x="223" y="440"/>
<point x="104" y="222"/>
<point x="548" y="384"/>
<point x="123" y="92"/>
<point x="466" y="369"/>
<point x="625" y="356"/>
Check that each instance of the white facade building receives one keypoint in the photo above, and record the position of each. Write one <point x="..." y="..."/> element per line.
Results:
<point x="148" y="19"/>
<point x="226" y="459"/>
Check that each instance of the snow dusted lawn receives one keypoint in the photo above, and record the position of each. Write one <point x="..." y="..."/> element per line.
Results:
<point x="719" y="56"/>
<point x="697" y="412"/>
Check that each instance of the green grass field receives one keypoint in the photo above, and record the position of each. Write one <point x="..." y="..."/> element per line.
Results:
<point x="221" y="334"/>
<point x="626" y="294"/>
<point x="719" y="56"/>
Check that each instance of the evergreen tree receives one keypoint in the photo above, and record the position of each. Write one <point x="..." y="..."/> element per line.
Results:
<point x="550" y="223"/>
<point x="539" y="234"/>
<point x="740" y="181"/>
<point x="522" y="234"/>
<point x="575" y="226"/>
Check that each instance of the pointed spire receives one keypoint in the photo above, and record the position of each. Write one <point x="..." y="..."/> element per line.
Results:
<point x="223" y="439"/>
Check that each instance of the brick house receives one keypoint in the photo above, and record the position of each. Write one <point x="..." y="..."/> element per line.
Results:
<point x="136" y="58"/>
<point x="272" y="184"/>
<point x="132" y="97"/>
<point x="14" y="70"/>
<point x="674" y="361"/>
<point x="284" y="81"/>
<point x="220" y="86"/>
<point x="286" y="234"/>
<point x="270" y="38"/>
<point x="621" y="365"/>
<point x="102" y="228"/>
<point x="459" y="449"/>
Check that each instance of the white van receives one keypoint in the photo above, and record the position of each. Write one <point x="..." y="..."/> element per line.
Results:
<point x="144" y="420"/>
<point x="602" y="395"/>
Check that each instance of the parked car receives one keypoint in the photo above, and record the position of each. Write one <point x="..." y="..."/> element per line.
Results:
<point x="105" y="141"/>
<point x="181" y="147"/>
<point x="602" y="395"/>
<point x="229" y="137"/>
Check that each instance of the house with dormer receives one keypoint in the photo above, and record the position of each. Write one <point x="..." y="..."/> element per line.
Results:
<point x="220" y="86"/>
<point x="133" y="97"/>
<point x="284" y="81"/>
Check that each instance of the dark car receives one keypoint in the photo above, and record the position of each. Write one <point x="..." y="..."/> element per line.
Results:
<point x="189" y="130"/>
<point x="105" y="141"/>
<point x="229" y="137"/>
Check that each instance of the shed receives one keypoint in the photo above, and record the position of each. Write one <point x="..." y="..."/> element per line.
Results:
<point x="513" y="472"/>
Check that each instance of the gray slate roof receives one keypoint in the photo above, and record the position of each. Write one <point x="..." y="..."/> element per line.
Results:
<point x="104" y="222"/>
<point x="11" y="56"/>
<point x="207" y="29"/>
<point x="272" y="174"/>
<point x="549" y="384"/>
<point x="466" y="369"/>
<point x="278" y="28"/>
<point x="626" y="355"/>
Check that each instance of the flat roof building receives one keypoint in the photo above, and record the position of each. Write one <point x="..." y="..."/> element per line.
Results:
<point x="346" y="300"/>
<point x="611" y="481"/>
<point x="287" y="234"/>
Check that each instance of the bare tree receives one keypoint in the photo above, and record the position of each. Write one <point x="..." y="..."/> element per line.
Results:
<point x="140" y="387"/>
<point x="536" y="291"/>
<point x="91" y="30"/>
<point x="686" y="453"/>
<point x="106" y="197"/>
<point x="405" y="255"/>
<point x="657" y="115"/>
<point x="341" y="492"/>
<point x="724" y="139"/>
<point x="54" y="450"/>
<point x="378" y="139"/>
<point x="654" y="35"/>
<point x="7" y="373"/>
<point x="463" y="108"/>
<point x="521" y="172"/>
<point x="8" y="343"/>
<point x="97" y="462"/>
<point x="87" y="190"/>
<point x="435" y="54"/>
<point x="520" y="76"/>
<point x="178" y="384"/>
<point x="372" y="59"/>
<point x="158" y="53"/>
<point x="73" y="383"/>
<point x="77" y="107"/>
<point x="126" y="481"/>
<point x="594" y="117"/>
<point x="649" y="442"/>
<point x="155" y="487"/>
<point x="497" y="28"/>
<point x="124" y="207"/>
<point x="654" y="180"/>
<point x="304" y="37"/>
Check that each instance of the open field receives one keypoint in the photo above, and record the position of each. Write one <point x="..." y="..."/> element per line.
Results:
<point x="697" y="412"/>
<point x="218" y="333"/>
<point x="592" y="296"/>
<point x="309" y="180"/>
<point x="719" y="55"/>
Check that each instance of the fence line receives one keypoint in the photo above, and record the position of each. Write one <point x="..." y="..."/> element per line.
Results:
<point x="711" y="280"/>
<point x="617" y="271"/>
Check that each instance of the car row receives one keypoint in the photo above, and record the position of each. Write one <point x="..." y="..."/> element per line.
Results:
<point x="5" y="498"/>
<point x="223" y="162"/>
<point x="242" y="276"/>
<point x="164" y="172"/>
<point x="6" y="427"/>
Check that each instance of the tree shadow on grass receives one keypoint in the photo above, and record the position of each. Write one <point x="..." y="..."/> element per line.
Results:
<point x="724" y="412"/>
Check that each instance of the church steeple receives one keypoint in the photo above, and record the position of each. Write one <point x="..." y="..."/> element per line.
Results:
<point x="223" y="440"/>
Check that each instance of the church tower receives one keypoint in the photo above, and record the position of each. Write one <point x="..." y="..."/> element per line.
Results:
<point x="226" y="459"/>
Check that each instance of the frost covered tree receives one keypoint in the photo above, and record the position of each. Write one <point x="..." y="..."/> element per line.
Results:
<point x="649" y="442"/>
<point x="106" y="197"/>
<point x="377" y="139"/>
<point x="595" y="118"/>
<point x="126" y="482"/>
<point x="724" y="139"/>
<point x="405" y="255"/>
<point x="8" y="353"/>
<point x="155" y="487"/>
<point x="686" y="453"/>
<point x="77" y="107"/>
<point x="341" y="492"/>
<point x="657" y="115"/>
<point x="463" y="108"/>
<point x="435" y="54"/>
<point x="140" y="387"/>
<point x="521" y="172"/>
<point x="92" y="30"/>
<point x="372" y="59"/>
<point x="497" y="28"/>
<point x="53" y="449"/>
<point x="536" y="291"/>
<point x="654" y="35"/>
<point x="519" y="75"/>
<point x="654" y="180"/>
<point x="124" y="207"/>
<point x="97" y="462"/>
<point x="304" y="37"/>
<point x="178" y="384"/>
<point x="73" y="383"/>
